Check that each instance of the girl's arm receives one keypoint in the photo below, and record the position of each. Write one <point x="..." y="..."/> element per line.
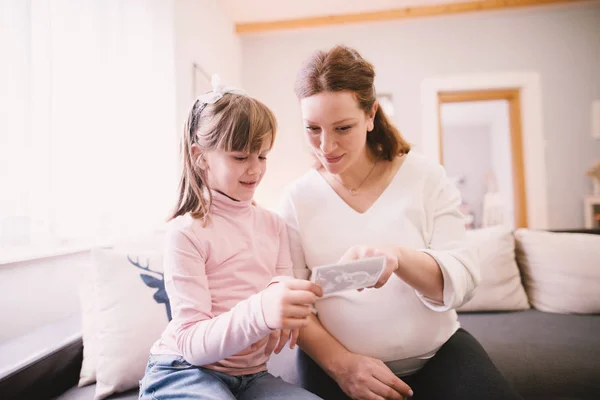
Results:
<point x="284" y="267"/>
<point x="201" y="337"/>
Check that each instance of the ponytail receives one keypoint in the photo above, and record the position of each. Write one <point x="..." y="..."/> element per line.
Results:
<point x="194" y="195"/>
<point x="385" y="140"/>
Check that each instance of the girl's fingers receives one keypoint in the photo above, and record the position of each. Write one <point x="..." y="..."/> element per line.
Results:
<point x="273" y="339"/>
<point x="283" y="339"/>
<point x="294" y="338"/>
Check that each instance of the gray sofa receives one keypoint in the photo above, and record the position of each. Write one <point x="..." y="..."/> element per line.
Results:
<point x="544" y="356"/>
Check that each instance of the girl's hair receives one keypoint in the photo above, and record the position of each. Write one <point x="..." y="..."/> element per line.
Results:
<point x="343" y="68"/>
<point x="234" y="123"/>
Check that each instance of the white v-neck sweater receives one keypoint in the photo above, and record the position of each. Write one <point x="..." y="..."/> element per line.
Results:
<point x="419" y="209"/>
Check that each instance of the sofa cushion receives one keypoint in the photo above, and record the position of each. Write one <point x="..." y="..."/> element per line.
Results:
<point x="561" y="271"/>
<point x="500" y="288"/>
<point x="87" y="393"/>
<point x="544" y="355"/>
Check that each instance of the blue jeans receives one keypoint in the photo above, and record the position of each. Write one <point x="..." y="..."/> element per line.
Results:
<point x="171" y="377"/>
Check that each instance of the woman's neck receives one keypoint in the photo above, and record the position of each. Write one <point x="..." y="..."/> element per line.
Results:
<point x="356" y="173"/>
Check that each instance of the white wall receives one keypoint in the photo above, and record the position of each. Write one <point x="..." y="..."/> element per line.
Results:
<point x="205" y="35"/>
<point x="37" y="292"/>
<point x="501" y="154"/>
<point x="562" y="44"/>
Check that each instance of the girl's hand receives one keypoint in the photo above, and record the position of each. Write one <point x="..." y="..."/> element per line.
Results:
<point x="286" y="304"/>
<point x="279" y="338"/>
<point x="391" y="259"/>
<point x="366" y="378"/>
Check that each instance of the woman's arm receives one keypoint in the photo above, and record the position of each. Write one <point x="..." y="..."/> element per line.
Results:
<point x="445" y="273"/>
<point x="360" y="377"/>
<point x="323" y="348"/>
<point x="447" y="246"/>
<point x="420" y="271"/>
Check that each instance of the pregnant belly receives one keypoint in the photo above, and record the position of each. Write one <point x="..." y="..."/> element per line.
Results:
<point x="390" y="323"/>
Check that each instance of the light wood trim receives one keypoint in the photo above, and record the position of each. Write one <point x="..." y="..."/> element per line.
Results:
<point x="516" y="139"/>
<point x="394" y="14"/>
<point x="516" y="144"/>
<point x="477" y="95"/>
<point x="440" y="136"/>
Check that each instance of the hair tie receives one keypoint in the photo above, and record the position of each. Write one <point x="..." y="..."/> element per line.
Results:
<point x="218" y="91"/>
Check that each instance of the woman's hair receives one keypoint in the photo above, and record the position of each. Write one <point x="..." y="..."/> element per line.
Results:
<point x="234" y="123"/>
<point x="344" y="69"/>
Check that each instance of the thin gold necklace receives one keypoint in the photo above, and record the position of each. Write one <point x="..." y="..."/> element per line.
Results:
<point x="354" y="191"/>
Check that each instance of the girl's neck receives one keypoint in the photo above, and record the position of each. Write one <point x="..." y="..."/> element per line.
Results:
<point x="226" y="195"/>
<point x="224" y="203"/>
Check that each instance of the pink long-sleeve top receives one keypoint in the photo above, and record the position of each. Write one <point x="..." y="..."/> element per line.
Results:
<point x="214" y="277"/>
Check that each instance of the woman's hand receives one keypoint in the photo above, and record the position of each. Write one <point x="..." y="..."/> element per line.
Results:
<point x="277" y="340"/>
<point x="366" y="378"/>
<point x="391" y="259"/>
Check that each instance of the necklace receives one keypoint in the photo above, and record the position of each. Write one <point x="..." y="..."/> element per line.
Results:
<point x="354" y="191"/>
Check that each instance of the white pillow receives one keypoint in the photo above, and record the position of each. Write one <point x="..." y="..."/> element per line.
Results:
<point x="561" y="271"/>
<point x="500" y="288"/>
<point x="109" y="278"/>
<point x="132" y="312"/>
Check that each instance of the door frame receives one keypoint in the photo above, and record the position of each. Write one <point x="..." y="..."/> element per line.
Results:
<point x="533" y="144"/>
<point x="513" y="97"/>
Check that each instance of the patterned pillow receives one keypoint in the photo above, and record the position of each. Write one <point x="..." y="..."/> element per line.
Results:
<point x="124" y="313"/>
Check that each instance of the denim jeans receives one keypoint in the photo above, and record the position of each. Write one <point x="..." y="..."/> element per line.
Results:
<point x="171" y="377"/>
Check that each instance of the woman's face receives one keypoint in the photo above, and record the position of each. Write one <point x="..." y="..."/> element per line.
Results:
<point x="336" y="128"/>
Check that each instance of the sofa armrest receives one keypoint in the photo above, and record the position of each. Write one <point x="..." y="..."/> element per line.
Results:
<point x="43" y="363"/>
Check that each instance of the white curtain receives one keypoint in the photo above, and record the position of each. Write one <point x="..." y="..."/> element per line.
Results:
<point x="88" y="134"/>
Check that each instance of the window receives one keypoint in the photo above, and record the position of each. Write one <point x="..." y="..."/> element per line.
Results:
<point x="88" y="138"/>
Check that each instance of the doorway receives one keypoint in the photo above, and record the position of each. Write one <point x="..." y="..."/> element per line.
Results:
<point x="480" y="146"/>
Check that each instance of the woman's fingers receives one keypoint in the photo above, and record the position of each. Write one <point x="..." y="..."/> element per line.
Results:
<point x="390" y="268"/>
<point x="353" y="253"/>
<point x="390" y="381"/>
<point x="384" y="391"/>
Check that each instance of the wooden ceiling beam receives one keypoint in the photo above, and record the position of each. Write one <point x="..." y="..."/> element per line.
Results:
<point x="394" y="14"/>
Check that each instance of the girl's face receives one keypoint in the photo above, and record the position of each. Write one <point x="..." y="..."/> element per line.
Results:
<point x="235" y="174"/>
<point x="336" y="128"/>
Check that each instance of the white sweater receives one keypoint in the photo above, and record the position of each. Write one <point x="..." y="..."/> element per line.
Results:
<point x="419" y="209"/>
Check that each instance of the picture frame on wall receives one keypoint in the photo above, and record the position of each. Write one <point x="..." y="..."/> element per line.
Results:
<point x="201" y="81"/>
<point x="592" y="211"/>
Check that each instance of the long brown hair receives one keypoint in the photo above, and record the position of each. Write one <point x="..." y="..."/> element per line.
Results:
<point x="343" y="68"/>
<point x="234" y="123"/>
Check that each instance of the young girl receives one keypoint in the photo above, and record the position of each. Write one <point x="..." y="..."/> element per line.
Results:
<point x="227" y="264"/>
